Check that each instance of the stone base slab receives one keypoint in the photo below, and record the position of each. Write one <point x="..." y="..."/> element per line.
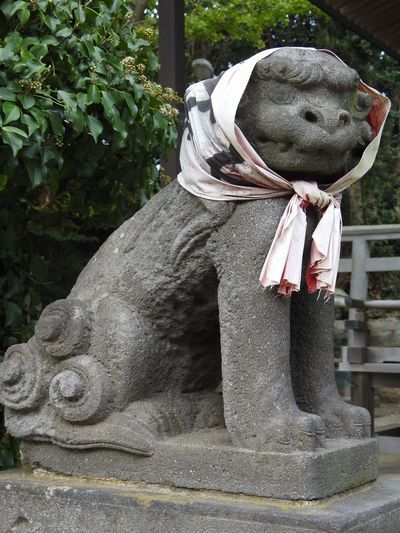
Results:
<point x="44" y="503"/>
<point x="207" y="460"/>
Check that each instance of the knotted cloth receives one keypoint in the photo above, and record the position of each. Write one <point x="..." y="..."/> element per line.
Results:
<point x="218" y="163"/>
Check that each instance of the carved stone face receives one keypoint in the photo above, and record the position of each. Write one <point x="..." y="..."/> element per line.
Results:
<point x="303" y="113"/>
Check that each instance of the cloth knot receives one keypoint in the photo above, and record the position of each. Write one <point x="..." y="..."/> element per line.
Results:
<point x="310" y="192"/>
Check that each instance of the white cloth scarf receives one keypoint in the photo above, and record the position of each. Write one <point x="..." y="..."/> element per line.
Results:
<point x="218" y="163"/>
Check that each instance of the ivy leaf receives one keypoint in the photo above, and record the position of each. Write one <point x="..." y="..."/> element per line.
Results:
<point x="133" y="108"/>
<point x="56" y="123"/>
<point x="159" y="121"/>
<point x="10" y="8"/>
<point x="17" y="131"/>
<point x="6" y="55"/>
<point x="13" y="140"/>
<point x="36" y="172"/>
<point x="78" y="121"/>
<point x="138" y="90"/>
<point x="38" y="115"/>
<point x="50" y="153"/>
<point x="68" y="99"/>
<point x="49" y="40"/>
<point x="138" y="44"/>
<point x="11" y="112"/>
<point x="29" y="62"/>
<point x="119" y="125"/>
<point x="79" y="14"/>
<point x="13" y="41"/>
<point x="7" y="94"/>
<point x="27" y="100"/>
<point x="64" y="32"/>
<point x="95" y="127"/>
<point x="12" y="137"/>
<point x="30" y="123"/>
<point x="24" y="15"/>
<point x="51" y="23"/>
<point x="152" y="61"/>
<point x="89" y="45"/>
<point x="93" y="95"/>
<point x="39" y="50"/>
<point x="108" y="104"/>
<point x="81" y="101"/>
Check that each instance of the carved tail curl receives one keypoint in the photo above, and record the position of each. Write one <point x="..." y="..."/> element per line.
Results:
<point x="23" y="377"/>
<point x="81" y="392"/>
<point x="63" y="329"/>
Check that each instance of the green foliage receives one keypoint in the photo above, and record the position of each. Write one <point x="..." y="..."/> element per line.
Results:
<point x="229" y="31"/>
<point x="82" y="130"/>
<point x="80" y="139"/>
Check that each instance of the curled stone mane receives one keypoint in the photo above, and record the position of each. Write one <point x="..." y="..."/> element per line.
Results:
<point x="300" y="72"/>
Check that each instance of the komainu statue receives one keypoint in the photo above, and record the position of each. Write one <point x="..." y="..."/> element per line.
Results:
<point x="226" y="274"/>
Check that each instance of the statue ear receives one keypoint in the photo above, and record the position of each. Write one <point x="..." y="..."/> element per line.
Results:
<point x="363" y="103"/>
<point x="262" y="69"/>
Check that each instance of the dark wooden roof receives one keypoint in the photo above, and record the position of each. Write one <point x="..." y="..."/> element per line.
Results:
<point x="376" y="20"/>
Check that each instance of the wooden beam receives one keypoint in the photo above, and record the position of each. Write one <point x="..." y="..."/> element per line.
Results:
<point x="334" y="8"/>
<point x="172" y="60"/>
<point x="373" y="264"/>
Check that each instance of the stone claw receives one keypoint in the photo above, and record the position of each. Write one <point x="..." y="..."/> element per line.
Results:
<point x="346" y="421"/>
<point x="288" y="433"/>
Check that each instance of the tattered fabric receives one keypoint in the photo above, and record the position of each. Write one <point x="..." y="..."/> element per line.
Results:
<point x="218" y="163"/>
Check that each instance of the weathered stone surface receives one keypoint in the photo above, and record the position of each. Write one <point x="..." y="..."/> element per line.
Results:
<point x="208" y="460"/>
<point x="304" y="115"/>
<point x="58" y="504"/>
<point x="171" y="301"/>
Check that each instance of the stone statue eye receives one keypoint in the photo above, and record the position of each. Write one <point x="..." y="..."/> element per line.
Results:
<point x="280" y="94"/>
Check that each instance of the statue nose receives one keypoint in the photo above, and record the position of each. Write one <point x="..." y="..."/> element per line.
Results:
<point x="327" y="120"/>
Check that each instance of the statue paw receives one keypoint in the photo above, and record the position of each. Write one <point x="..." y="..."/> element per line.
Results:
<point x="307" y="432"/>
<point x="344" y="420"/>
<point x="290" y="432"/>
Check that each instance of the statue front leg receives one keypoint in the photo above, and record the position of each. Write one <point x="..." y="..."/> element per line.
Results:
<point x="259" y="405"/>
<point x="312" y="367"/>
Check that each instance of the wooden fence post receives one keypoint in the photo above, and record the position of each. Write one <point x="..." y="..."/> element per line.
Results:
<point x="361" y="393"/>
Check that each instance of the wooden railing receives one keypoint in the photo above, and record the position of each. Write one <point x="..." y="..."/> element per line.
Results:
<point x="371" y="366"/>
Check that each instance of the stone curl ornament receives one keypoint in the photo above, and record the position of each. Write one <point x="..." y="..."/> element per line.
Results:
<point x="23" y="378"/>
<point x="81" y="391"/>
<point x="63" y="329"/>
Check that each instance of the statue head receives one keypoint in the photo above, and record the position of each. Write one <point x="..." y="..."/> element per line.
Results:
<point x="305" y="115"/>
<point x="202" y="69"/>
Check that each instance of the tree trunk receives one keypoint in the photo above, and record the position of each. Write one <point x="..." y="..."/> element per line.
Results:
<point x="140" y="6"/>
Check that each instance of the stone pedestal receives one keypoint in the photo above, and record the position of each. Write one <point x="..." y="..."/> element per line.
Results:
<point x="207" y="460"/>
<point x="60" y="504"/>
